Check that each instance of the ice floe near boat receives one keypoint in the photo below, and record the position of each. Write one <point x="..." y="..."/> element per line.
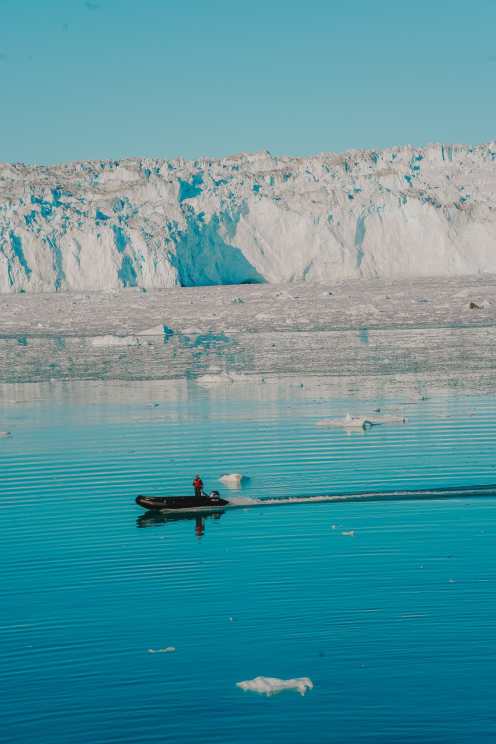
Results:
<point x="233" y="480"/>
<point x="361" y="422"/>
<point x="272" y="685"/>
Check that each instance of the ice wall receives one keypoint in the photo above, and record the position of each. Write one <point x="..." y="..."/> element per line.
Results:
<point x="404" y="211"/>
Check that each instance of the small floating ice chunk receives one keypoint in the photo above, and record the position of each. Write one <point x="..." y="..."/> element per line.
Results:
<point x="348" y="533"/>
<point x="233" y="480"/>
<point x="361" y="422"/>
<point x="272" y="685"/>
<point x="166" y="650"/>
<point x="348" y="422"/>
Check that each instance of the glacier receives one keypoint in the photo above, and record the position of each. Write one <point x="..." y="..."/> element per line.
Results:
<point x="250" y="218"/>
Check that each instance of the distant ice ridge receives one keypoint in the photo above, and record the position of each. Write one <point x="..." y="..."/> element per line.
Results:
<point x="403" y="211"/>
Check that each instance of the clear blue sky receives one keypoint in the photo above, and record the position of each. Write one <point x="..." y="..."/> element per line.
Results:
<point x="116" y="78"/>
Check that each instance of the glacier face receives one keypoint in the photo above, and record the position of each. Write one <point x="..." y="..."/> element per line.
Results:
<point x="250" y="218"/>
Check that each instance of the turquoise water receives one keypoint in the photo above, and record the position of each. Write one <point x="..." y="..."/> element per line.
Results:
<point x="394" y="625"/>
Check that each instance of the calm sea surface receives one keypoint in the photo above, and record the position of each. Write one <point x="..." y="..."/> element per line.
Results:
<point x="395" y="624"/>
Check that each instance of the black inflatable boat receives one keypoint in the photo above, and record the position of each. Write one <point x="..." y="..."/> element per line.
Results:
<point x="182" y="503"/>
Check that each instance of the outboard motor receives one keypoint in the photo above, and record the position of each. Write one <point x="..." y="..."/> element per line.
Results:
<point x="214" y="496"/>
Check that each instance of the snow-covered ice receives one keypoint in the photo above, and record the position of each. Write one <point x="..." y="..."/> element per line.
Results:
<point x="348" y="422"/>
<point x="272" y="685"/>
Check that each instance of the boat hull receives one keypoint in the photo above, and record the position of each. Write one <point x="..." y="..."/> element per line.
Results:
<point x="181" y="503"/>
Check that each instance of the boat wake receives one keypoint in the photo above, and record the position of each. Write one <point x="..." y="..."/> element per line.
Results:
<point x="450" y="492"/>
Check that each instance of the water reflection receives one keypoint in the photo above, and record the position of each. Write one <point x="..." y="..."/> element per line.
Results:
<point x="157" y="519"/>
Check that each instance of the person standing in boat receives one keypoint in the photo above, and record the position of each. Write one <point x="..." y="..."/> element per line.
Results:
<point x="198" y="486"/>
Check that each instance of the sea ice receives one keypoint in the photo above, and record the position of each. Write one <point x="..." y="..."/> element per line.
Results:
<point x="166" y="650"/>
<point x="272" y="685"/>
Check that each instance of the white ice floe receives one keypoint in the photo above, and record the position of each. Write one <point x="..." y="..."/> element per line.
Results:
<point x="166" y="650"/>
<point x="233" y="480"/>
<point x="361" y="422"/>
<point x="272" y="685"/>
<point x="348" y="533"/>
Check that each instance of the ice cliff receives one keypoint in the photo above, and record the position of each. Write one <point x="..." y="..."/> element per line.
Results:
<point x="404" y="211"/>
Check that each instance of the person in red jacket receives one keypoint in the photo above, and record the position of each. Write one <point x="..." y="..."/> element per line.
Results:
<point x="198" y="486"/>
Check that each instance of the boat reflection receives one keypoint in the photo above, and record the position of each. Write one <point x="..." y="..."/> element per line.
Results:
<point x="157" y="518"/>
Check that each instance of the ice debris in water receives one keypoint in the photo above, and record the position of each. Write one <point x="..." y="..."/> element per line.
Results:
<point x="166" y="650"/>
<point x="348" y="533"/>
<point x="272" y="685"/>
<point x="361" y="422"/>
